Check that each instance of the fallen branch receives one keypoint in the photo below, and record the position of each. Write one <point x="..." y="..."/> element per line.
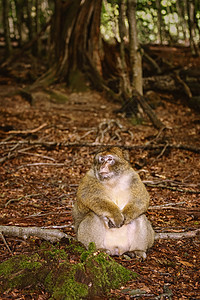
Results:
<point x="177" y="235"/>
<point x="193" y="212"/>
<point x="148" y="110"/>
<point x="27" y="131"/>
<point x="164" y="206"/>
<point x="5" y="243"/>
<point x="14" y="153"/>
<point x="52" y="235"/>
<point x="42" y="164"/>
<point x="183" y="84"/>
<point x="55" y="235"/>
<point x="19" y="199"/>
<point x="146" y="146"/>
<point x="173" y="188"/>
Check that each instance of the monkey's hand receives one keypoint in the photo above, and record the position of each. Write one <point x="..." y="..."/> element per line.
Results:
<point x="116" y="222"/>
<point x="112" y="222"/>
<point x="130" y="215"/>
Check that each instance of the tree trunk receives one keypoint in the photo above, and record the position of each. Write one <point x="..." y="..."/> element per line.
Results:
<point x="76" y="54"/>
<point x="135" y="55"/>
<point x="191" y="25"/>
<point x="37" y="26"/>
<point x="77" y="35"/>
<point x="160" y="23"/>
<point x="125" y="82"/>
<point x="6" y="27"/>
<point x="19" y="18"/>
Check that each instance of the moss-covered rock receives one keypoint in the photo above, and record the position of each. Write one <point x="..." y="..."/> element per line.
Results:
<point x="49" y="268"/>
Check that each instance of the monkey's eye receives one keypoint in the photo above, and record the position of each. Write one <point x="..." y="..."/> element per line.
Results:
<point x="101" y="159"/>
<point x="110" y="160"/>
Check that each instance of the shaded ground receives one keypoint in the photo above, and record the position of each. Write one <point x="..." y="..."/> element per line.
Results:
<point x="39" y="180"/>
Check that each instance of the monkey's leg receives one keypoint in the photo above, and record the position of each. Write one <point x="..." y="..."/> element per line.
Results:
<point x="141" y="236"/>
<point x="91" y="229"/>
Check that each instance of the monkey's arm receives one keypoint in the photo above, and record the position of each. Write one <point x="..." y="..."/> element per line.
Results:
<point x="96" y="200"/>
<point x="138" y="204"/>
<point x="133" y="210"/>
<point x="103" y="208"/>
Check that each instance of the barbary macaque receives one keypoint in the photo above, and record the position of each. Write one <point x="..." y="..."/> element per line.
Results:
<point x="110" y="206"/>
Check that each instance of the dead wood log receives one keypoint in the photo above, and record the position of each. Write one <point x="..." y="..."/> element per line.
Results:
<point x="177" y="82"/>
<point x="163" y="83"/>
<point x="148" y="110"/>
<point x="129" y="108"/>
<point x="152" y="62"/>
<point x="52" y="235"/>
<point x="100" y="84"/>
<point x="183" y="84"/>
<point x="177" y="235"/>
<point x="55" y="235"/>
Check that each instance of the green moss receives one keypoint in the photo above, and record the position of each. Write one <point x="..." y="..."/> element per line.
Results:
<point x="67" y="287"/>
<point x="30" y="262"/>
<point x="134" y="120"/>
<point x="6" y="267"/>
<point x="107" y="273"/>
<point x="15" y="264"/>
<point x="95" y="274"/>
<point x="56" y="254"/>
<point x="77" y="81"/>
<point x="57" y="96"/>
<point x="75" y="247"/>
<point x="86" y="253"/>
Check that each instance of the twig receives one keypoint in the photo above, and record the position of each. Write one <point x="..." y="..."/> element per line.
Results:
<point x="19" y="199"/>
<point x="106" y="127"/>
<point x="6" y="244"/>
<point x="14" y="154"/>
<point x="39" y="214"/>
<point x="172" y="182"/>
<point x="42" y="164"/>
<point x="27" y="131"/>
<point x="161" y="153"/>
<point x="35" y="154"/>
<point x="57" y="226"/>
<point x="162" y="186"/>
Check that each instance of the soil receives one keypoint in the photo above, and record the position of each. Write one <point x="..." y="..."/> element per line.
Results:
<point x="48" y="145"/>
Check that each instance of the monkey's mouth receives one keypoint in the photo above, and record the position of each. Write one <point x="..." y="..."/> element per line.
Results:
<point x="105" y="175"/>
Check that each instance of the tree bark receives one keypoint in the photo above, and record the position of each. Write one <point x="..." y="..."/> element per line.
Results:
<point x="78" y="25"/>
<point x="160" y="23"/>
<point x="125" y="81"/>
<point x="6" y="27"/>
<point x="135" y="55"/>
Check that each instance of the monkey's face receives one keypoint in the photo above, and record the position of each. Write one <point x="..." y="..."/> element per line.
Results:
<point x="108" y="165"/>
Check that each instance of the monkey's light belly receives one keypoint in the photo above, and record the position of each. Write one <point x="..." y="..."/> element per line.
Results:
<point x="117" y="239"/>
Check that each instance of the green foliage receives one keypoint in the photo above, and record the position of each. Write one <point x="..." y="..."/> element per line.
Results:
<point x="26" y="21"/>
<point x="172" y="15"/>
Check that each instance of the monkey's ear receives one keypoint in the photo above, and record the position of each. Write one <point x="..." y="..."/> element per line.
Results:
<point x="126" y="155"/>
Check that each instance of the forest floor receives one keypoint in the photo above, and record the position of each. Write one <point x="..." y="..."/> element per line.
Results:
<point x="47" y="146"/>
